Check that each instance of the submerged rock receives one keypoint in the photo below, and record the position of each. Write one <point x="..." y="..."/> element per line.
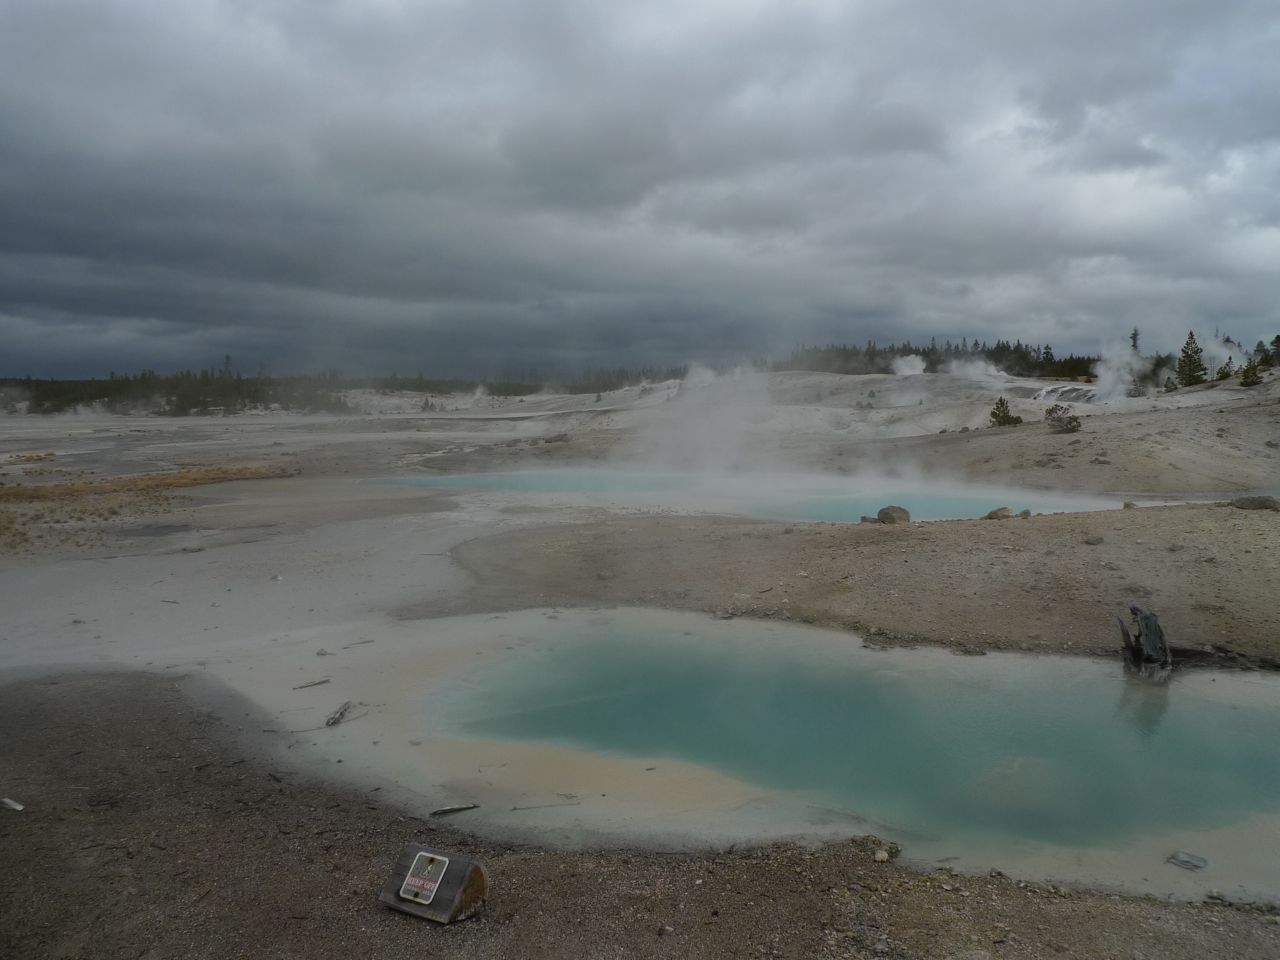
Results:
<point x="893" y="514"/>
<point x="1187" y="861"/>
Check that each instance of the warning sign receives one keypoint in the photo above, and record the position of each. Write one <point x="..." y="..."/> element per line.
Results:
<point x="424" y="878"/>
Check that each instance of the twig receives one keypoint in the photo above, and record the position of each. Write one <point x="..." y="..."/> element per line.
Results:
<point x="337" y="716"/>
<point x="544" y="806"/>
<point x="312" y="683"/>
<point x="457" y="808"/>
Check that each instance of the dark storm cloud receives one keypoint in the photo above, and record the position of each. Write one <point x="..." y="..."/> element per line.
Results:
<point x="383" y="184"/>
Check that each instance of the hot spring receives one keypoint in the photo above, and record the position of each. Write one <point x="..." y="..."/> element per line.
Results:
<point x="778" y="496"/>
<point x="1055" y="762"/>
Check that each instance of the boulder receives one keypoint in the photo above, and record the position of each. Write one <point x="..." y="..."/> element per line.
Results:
<point x="1256" y="503"/>
<point x="1000" y="513"/>
<point x="893" y="514"/>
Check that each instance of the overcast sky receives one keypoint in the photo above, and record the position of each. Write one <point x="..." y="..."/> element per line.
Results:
<point x="490" y="186"/>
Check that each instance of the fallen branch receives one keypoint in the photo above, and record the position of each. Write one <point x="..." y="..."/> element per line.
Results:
<point x="456" y="808"/>
<point x="338" y="715"/>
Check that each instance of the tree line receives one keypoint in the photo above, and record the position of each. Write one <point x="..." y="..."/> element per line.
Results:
<point x="223" y="389"/>
<point x="1016" y="358"/>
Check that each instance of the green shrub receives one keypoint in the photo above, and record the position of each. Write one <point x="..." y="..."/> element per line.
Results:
<point x="1061" y="420"/>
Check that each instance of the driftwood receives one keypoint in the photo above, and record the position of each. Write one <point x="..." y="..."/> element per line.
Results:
<point x="1146" y="651"/>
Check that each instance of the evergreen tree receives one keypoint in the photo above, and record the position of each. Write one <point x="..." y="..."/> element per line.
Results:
<point x="1249" y="376"/>
<point x="1226" y="371"/>
<point x="1191" y="368"/>
<point x="1275" y="349"/>
<point x="1133" y="339"/>
<point x="1001" y="416"/>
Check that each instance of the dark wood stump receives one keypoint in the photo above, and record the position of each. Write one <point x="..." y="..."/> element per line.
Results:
<point x="1146" y="651"/>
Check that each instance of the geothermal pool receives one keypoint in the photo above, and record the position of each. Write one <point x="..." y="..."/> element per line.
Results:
<point x="774" y="496"/>
<point x="986" y="761"/>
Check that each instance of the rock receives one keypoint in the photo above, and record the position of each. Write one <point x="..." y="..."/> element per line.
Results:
<point x="1024" y="514"/>
<point x="1273" y="444"/>
<point x="893" y="514"/>
<point x="1187" y="861"/>
<point x="1000" y="513"/>
<point x="964" y="429"/>
<point x="882" y="855"/>
<point x="1256" y="503"/>
<point x="1130" y="505"/>
<point x="1093" y="541"/>
<point x="866" y="519"/>
<point x="665" y="930"/>
<point x="1101" y="460"/>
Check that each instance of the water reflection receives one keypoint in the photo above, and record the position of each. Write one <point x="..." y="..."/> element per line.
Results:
<point x="1143" y="705"/>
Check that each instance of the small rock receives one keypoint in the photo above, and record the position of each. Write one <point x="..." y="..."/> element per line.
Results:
<point x="1187" y="861"/>
<point x="1101" y="460"/>
<point x="882" y="855"/>
<point x="1000" y="513"/>
<point x="1093" y="541"/>
<point x="1024" y="514"/>
<point x="1273" y="444"/>
<point x="1130" y="505"/>
<point x="666" y="931"/>
<point x="893" y="514"/>
<point x="1256" y="503"/>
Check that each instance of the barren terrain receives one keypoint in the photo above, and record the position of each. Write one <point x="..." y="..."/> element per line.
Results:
<point x="259" y="553"/>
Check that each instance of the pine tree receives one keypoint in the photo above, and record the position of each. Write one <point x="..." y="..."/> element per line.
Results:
<point x="1191" y="368"/>
<point x="1249" y="376"/>
<point x="1001" y="416"/>
<point x="1226" y="371"/>
<point x="1133" y="339"/>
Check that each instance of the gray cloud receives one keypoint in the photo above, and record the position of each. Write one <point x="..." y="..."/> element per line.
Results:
<point x="499" y="185"/>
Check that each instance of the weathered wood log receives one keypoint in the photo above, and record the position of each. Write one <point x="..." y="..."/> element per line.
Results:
<point x="1146" y="651"/>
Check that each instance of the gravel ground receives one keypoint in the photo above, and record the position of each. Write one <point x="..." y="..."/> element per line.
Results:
<point x="1050" y="584"/>
<point x="150" y="833"/>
